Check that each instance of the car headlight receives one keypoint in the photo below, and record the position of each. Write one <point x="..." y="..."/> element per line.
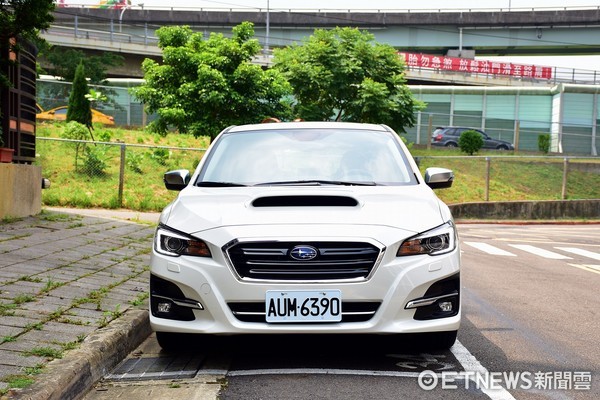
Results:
<point x="174" y="244"/>
<point x="434" y="242"/>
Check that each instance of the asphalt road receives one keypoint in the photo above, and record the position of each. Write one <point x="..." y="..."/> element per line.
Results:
<point x="530" y="331"/>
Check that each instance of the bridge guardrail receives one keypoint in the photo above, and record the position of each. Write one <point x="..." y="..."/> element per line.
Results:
<point x="115" y="31"/>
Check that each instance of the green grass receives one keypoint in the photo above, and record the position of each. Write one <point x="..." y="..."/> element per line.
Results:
<point x="510" y="179"/>
<point x="144" y="168"/>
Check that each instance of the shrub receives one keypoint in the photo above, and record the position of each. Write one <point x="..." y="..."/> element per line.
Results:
<point x="94" y="161"/>
<point x="76" y="131"/>
<point x="160" y="155"/>
<point x="544" y="143"/>
<point x="134" y="161"/>
<point x="470" y="142"/>
<point x="105" y="135"/>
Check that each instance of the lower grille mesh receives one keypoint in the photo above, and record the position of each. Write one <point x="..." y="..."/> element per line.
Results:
<point x="352" y="311"/>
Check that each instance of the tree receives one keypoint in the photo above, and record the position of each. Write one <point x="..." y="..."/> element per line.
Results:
<point x="342" y="74"/>
<point x="205" y="85"/>
<point x="470" y="142"/>
<point x="80" y="109"/>
<point x="22" y="18"/>
<point x="65" y="61"/>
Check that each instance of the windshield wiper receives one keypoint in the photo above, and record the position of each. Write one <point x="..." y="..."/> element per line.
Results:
<point x="316" y="182"/>
<point x="219" y="184"/>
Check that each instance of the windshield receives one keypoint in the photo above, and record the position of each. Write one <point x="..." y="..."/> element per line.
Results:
<point x="306" y="156"/>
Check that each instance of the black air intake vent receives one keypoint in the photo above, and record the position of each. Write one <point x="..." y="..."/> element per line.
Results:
<point x="305" y="201"/>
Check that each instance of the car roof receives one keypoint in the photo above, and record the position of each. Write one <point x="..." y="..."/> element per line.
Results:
<point x="308" y="125"/>
<point x="460" y="127"/>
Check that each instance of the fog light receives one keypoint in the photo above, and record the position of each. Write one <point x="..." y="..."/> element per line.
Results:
<point x="444" y="305"/>
<point x="164" y="307"/>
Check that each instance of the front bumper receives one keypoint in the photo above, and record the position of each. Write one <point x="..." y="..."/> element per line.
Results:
<point x="213" y="299"/>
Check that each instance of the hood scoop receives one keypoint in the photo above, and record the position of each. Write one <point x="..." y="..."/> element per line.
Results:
<point x="305" y="201"/>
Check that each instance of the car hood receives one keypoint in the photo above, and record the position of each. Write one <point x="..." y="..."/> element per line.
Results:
<point x="411" y="208"/>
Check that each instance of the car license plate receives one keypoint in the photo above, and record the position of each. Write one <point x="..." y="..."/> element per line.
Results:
<point x="303" y="306"/>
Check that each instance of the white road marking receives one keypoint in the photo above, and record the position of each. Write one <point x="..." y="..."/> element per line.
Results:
<point x="464" y="357"/>
<point x="488" y="248"/>
<point x="471" y="364"/>
<point x="580" y="252"/>
<point x="589" y="268"/>
<point x="322" y="371"/>
<point x="540" y="252"/>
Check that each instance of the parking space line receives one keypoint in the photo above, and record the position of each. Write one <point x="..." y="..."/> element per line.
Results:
<point x="488" y="248"/>
<point x="540" y="252"/>
<point x="580" y="252"/>
<point x="471" y="364"/>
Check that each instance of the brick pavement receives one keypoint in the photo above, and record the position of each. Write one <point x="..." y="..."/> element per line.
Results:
<point x="62" y="277"/>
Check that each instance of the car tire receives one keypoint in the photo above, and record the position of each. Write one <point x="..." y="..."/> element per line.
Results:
<point x="451" y="144"/>
<point x="502" y="147"/>
<point x="170" y="341"/>
<point x="442" y="340"/>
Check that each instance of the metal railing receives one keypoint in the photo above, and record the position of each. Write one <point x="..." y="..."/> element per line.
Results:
<point x="411" y="10"/>
<point x="114" y="33"/>
<point x="554" y="177"/>
<point x="115" y="175"/>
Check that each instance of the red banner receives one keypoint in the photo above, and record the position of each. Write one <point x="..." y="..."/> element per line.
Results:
<point x="445" y="63"/>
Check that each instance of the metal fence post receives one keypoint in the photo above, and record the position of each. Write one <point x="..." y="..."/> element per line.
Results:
<point x="563" y="195"/>
<point x="121" y="175"/>
<point x="429" y="130"/>
<point x="517" y="133"/>
<point x="488" y="162"/>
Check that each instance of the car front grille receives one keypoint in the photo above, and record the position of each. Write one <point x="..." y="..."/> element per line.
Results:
<point x="352" y="311"/>
<point x="273" y="260"/>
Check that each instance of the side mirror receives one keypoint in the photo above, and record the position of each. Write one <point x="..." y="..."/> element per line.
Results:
<point x="439" y="178"/>
<point x="177" y="180"/>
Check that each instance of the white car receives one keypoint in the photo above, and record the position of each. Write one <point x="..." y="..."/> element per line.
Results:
<point x="306" y="227"/>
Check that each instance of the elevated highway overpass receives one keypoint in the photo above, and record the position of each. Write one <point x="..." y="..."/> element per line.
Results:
<point x="569" y="30"/>
<point x="462" y="33"/>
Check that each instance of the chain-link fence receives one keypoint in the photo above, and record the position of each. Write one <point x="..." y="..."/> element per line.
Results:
<point x="571" y="138"/>
<point x="575" y="133"/>
<point x="110" y="175"/>
<point x="511" y="178"/>
<point x="114" y="175"/>
<point x="120" y="104"/>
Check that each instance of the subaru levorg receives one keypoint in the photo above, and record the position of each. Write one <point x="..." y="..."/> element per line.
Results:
<point x="306" y="227"/>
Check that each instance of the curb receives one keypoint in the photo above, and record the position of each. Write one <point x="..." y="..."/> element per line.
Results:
<point x="72" y="376"/>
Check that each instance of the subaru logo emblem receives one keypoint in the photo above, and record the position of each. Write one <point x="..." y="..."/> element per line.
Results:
<point x="303" y="253"/>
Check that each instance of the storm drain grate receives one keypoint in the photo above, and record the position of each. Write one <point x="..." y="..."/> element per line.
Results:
<point x="150" y="368"/>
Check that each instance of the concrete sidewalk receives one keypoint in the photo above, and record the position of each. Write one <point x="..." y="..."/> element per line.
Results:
<point x="63" y="278"/>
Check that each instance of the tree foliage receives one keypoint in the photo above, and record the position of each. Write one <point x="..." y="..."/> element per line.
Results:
<point x="470" y="142"/>
<point x="79" y="106"/>
<point x="204" y="85"/>
<point x="343" y="74"/>
<point x="65" y="61"/>
<point x="21" y="18"/>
